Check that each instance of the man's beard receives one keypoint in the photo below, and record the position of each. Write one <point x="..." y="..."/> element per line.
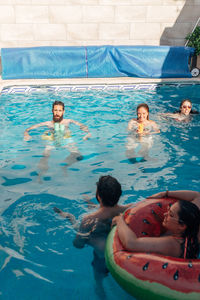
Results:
<point x="57" y="119"/>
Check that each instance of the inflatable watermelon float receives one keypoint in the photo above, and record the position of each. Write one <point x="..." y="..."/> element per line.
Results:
<point x="151" y="276"/>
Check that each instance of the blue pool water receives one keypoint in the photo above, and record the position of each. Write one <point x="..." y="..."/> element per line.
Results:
<point x="37" y="257"/>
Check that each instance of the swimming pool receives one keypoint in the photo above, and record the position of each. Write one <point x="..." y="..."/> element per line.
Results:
<point x="37" y="258"/>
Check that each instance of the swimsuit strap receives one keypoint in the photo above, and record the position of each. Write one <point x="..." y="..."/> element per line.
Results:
<point x="186" y="245"/>
<point x="185" y="249"/>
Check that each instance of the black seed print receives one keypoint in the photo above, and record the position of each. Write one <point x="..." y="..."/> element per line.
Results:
<point x="176" y="275"/>
<point x="146" y="266"/>
<point x="164" y="266"/>
<point x="146" y="221"/>
<point x="190" y="265"/>
<point x="144" y="233"/>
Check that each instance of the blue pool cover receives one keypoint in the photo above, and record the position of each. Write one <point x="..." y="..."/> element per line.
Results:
<point x="96" y="62"/>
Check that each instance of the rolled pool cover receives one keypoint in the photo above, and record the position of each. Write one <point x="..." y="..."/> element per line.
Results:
<point x="96" y="62"/>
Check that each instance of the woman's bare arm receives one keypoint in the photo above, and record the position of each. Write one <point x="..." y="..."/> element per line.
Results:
<point x="161" y="245"/>
<point x="180" y="195"/>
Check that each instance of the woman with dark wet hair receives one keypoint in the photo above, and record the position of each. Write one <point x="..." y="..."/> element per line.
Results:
<point x="187" y="195"/>
<point x="181" y="222"/>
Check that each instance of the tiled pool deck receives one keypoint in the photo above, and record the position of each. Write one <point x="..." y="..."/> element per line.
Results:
<point x="119" y="83"/>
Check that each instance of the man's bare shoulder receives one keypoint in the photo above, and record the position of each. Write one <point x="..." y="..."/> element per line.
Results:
<point x="92" y="219"/>
<point x="121" y="208"/>
<point x="88" y="221"/>
<point x="67" y="120"/>
<point x="103" y="215"/>
<point x="46" y="123"/>
<point x="50" y="123"/>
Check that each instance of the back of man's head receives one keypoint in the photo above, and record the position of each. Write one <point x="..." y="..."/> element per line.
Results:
<point x="109" y="190"/>
<point x="58" y="103"/>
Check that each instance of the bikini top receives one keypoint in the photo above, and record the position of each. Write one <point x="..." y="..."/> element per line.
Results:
<point x="185" y="246"/>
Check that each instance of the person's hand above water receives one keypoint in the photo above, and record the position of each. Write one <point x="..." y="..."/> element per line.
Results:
<point x="70" y="217"/>
<point x="27" y="136"/>
<point x="116" y="220"/>
<point x="85" y="128"/>
<point x="87" y="199"/>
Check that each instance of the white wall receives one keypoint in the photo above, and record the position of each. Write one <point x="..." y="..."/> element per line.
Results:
<point x="25" y="23"/>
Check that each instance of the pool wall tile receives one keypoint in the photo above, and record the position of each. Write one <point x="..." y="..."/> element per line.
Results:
<point x="91" y="22"/>
<point x="100" y="87"/>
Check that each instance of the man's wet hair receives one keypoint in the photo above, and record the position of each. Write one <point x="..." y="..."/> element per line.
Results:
<point x="58" y="103"/>
<point x="109" y="190"/>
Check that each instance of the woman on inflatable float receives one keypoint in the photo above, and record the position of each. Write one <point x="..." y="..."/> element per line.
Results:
<point x="153" y="252"/>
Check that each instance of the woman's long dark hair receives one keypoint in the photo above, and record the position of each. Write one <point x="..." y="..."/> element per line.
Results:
<point x="189" y="214"/>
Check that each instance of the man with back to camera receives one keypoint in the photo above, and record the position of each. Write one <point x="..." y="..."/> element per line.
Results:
<point x="94" y="227"/>
<point x="58" y="135"/>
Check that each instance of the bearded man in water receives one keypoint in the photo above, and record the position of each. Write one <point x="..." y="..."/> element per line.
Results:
<point x="58" y="135"/>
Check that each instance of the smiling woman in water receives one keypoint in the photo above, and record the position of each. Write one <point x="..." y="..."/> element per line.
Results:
<point x="140" y="130"/>
<point x="184" y="113"/>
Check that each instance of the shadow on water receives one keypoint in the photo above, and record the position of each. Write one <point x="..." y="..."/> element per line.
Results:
<point x="37" y="253"/>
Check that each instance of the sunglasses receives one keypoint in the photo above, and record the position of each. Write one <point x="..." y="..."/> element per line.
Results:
<point x="185" y="106"/>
